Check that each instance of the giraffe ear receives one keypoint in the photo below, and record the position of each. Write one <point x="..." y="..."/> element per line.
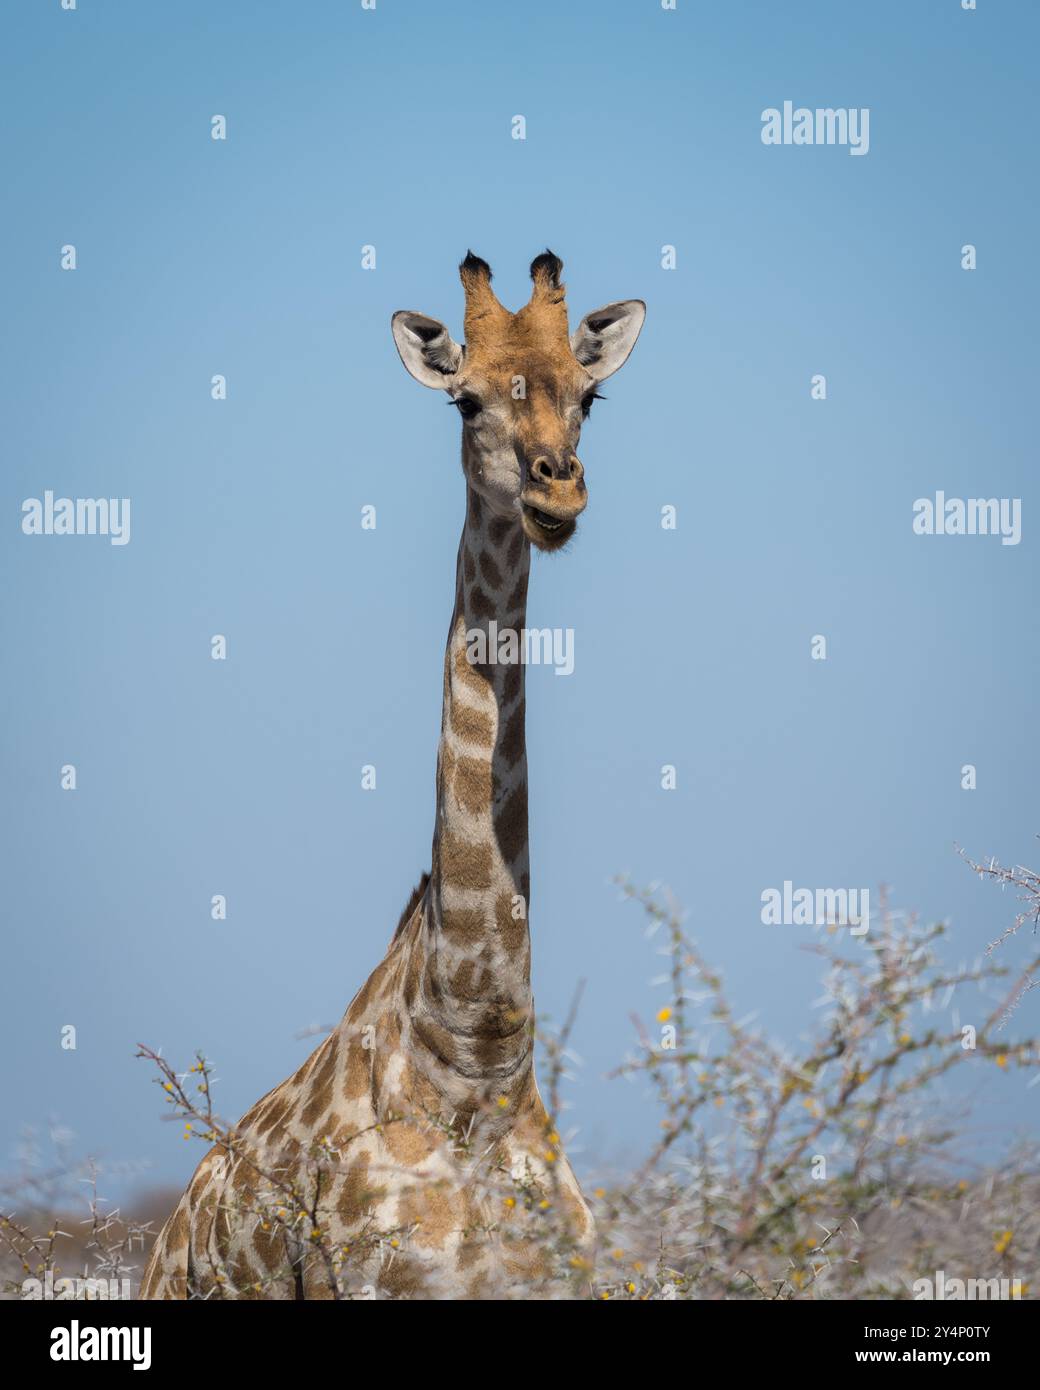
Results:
<point x="604" y="338"/>
<point x="426" y="347"/>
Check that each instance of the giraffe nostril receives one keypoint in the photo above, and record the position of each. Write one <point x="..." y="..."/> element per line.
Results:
<point x="577" y="470"/>
<point x="542" y="468"/>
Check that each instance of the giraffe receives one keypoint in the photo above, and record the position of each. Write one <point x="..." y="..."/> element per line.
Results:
<point x="411" y="1155"/>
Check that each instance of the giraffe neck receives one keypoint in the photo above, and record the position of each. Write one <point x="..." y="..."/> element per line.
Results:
<point x="477" y="984"/>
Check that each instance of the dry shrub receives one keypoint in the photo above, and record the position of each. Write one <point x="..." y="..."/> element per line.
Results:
<point x="827" y="1171"/>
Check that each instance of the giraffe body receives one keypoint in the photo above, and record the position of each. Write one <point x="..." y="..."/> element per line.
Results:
<point x="401" y="1180"/>
<point x="411" y="1155"/>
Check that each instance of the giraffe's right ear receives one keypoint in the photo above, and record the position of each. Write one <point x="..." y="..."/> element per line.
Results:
<point x="426" y="347"/>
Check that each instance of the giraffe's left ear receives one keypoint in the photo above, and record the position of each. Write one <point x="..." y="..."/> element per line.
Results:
<point x="426" y="347"/>
<point x="604" y="338"/>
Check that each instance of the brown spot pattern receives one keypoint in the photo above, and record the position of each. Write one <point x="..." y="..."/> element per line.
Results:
<point x="465" y="865"/>
<point x="473" y="725"/>
<point x="472" y="784"/>
<point x="511" y="824"/>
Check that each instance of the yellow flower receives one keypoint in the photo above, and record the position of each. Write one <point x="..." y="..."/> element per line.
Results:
<point x="901" y="1141"/>
<point x="510" y="1201"/>
<point x="1002" y="1060"/>
<point x="395" y="1244"/>
<point x="503" y="1101"/>
<point x="543" y="1205"/>
<point x="554" y="1138"/>
<point x="631" y="1288"/>
<point x="617" y="1254"/>
<point x="1002" y="1242"/>
<point x="904" y="1038"/>
<point x="600" y="1192"/>
<point x="663" y="1015"/>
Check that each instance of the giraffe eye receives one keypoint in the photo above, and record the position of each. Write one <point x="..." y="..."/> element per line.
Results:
<point x="467" y="406"/>
<point x="586" y="402"/>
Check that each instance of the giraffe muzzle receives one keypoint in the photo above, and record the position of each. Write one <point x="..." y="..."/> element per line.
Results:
<point x="554" y="497"/>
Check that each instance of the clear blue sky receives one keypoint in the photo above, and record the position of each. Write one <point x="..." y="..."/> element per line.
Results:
<point x="195" y="257"/>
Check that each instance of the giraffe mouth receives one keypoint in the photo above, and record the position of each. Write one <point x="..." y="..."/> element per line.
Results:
<point x="545" y="521"/>
<point x="544" y="530"/>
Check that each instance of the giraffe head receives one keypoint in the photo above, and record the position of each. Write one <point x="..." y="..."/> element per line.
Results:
<point x="523" y="385"/>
